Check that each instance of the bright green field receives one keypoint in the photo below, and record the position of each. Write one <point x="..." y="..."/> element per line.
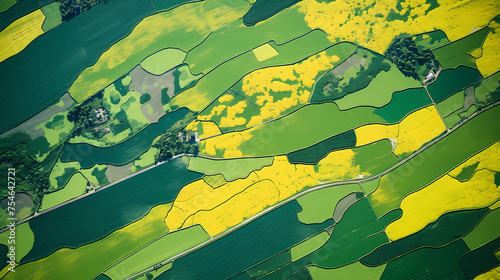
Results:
<point x="435" y="161"/>
<point x="318" y="206"/>
<point x="375" y="158"/>
<point x="435" y="39"/>
<point x="484" y="89"/>
<point x="24" y="233"/>
<point x="215" y="181"/>
<point x="308" y="246"/>
<point x="451" y="120"/>
<point x="370" y="186"/>
<point x="237" y="38"/>
<point x="351" y="271"/>
<point x="75" y="187"/>
<point x="467" y="113"/>
<point x="52" y="16"/>
<point x="162" y="61"/>
<point x="61" y="173"/>
<point x="162" y="249"/>
<point x="451" y="104"/>
<point x="487" y="230"/>
<point x="305" y="127"/>
<point x="459" y="60"/>
<point x="455" y="53"/>
<point x="379" y="91"/>
<point x="231" y="169"/>
<point x="462" y="46"/>
<point x="455" y="117"/>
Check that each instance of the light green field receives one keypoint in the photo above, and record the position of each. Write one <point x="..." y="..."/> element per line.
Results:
<point x="434" y="39"/>
<point x="59" y="170"/>
<point x="126" y="80"/>
<point x="162" y="61"/>
<point x="456" y="61"/>
<point x="162" y="249"/>
<point x="479" y="132"/>
<point x="146" y="159"/>
<point x="306" y="126"/>
<point x="451" y="104"/>
<point x="56" y="129"/>
<point x="467" y="113"/>
<point x="107" y="140"/>
<point x="351" y="271"/>
<point x="483" y="92"/>
<point x="455" y="117"/>
<point x="237" y="38"/>
<point x="215" y="181"/>
<point x="308" y="246"/>
<point x="452" y="120"/>
<point x="487" y="230"/>
<point x="25" y="238"/>
<point x="370" y="186"/>
<point x="53" y="16"/>
<point x="186" y="77"/>
<point x="132" y="107"/>
<point x="6" y="4"/>
<point x="130" y="104"/>
<point x="318" y="206"/>
<point x="379" y="91"/>
<point x="456" y="53"/>
<point x="96" y="181"/>
<point x="75" y="187"/>
<point x="91" y="259"/>
<point x="231" y="169"/>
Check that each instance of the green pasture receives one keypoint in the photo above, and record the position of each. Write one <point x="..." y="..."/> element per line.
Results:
<point x="318" y="206"/>
<point x="231" y="169"/>
<point x="158" y="251"/>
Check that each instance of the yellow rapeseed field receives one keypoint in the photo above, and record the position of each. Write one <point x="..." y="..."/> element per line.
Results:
<point x="268" y="86"/>
<point x="204" y="128"/>
<point x="488" y="159"/>
<point x="410" y="134"/>
<point x="269" y="83"/>
<point x="489" y="62"/>
<point x="493" y="274"/>
<point x="15" y="37"/>
<point x="448" y="194"/>
<point x="228" y="143"/>
<point x="226" y="206"/>
<point x="370" y="27"/>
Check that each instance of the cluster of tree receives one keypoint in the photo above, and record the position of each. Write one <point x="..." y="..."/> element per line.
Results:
<point x="171" y="145"/>
<point x="328" y="88"/>
<point x="32" y="177"/>
<point x="83" y="115"/>
<point x="410" y="60"/>
<point x="71" y="8"/>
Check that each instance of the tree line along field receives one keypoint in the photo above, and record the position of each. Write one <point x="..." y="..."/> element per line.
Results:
<point x="263" y="139"/>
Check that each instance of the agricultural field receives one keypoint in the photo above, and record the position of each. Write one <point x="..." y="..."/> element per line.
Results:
<point x="249" y="139"/>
